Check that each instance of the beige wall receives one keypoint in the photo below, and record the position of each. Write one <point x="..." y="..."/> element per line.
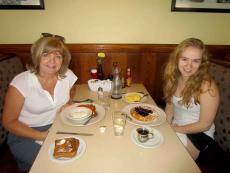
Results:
<point x="113" y="21"/>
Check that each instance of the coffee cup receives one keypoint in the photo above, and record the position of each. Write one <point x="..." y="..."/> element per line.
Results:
<point x="143" y="134"/>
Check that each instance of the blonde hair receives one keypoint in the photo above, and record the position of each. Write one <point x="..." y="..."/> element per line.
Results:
<point x="47" y="45"/>
<point x="193" y="84"/>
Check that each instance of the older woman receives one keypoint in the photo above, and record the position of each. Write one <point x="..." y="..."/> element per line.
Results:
<point x="191" y="95"/>
<point x="34" y="96"/>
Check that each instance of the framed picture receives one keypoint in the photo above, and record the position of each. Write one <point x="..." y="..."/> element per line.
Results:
<point x="21" y="4"/>
<point x="221" y="6"/>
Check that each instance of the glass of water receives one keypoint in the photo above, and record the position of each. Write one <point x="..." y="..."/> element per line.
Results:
<point x="119" y="121"/>
<point x="104" y="98"/>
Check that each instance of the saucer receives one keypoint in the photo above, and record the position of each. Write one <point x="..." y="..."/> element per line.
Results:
<point x="154" y="142"/>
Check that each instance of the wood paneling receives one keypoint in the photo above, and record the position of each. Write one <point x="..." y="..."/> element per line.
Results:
<point x="145" y="60"/>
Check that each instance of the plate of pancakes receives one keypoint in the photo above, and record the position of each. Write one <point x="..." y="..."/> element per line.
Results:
<point x="144" y="114"/>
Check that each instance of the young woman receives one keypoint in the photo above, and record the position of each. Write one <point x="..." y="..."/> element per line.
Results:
<point x="191" y="95"/>
<point x="34" y="96"/>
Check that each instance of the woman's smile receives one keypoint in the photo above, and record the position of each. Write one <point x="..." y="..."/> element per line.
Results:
<point x="189" y="61"/>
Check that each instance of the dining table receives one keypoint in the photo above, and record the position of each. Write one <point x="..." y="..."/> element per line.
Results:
<point x="106" y="153"/>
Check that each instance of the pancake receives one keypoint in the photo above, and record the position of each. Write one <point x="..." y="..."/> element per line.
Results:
<point x="143" y="113"/>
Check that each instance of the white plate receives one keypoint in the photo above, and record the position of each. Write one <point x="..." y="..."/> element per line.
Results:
<point x="156" y="141"/>
<point x="79" y="113"/>
<point x="80" y="151"/>
<point x="99" y="109"/>
<point x="134" y="93"/>
<point x="157" y="121"/>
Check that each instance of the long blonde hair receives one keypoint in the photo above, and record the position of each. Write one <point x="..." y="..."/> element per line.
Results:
<point x="193" y="84"/>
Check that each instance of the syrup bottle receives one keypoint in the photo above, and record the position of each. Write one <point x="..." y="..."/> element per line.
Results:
<point x="100" y="59"/>
<point x="100" y="74"/>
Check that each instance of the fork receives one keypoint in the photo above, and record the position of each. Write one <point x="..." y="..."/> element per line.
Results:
<point x="85" y="100"/>
<point x="88" y="120"/>
<point x="142" y="97"/>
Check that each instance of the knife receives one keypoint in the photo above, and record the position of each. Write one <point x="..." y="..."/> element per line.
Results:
<point x="74" y="133"/>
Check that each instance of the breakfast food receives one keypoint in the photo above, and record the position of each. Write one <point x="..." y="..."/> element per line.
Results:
<point x="133" y="98"/>
<point x="66" y="148"/>
<point x="143" y="113"/>
<point x="90" y="106"/>
<point x="80" y="112"/>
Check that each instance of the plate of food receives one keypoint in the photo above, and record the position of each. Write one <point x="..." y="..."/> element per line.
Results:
<point x="67" y="149"/>
<point x="154" y="142"/>
<point x="144" y="114"/>
<point x="97" y="113"/>
<point x="134" y="97"/>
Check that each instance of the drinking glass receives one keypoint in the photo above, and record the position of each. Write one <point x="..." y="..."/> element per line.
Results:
<point x="104" y="99"/>
<point x="119" y="121"/>
<point x="93" y="73"/>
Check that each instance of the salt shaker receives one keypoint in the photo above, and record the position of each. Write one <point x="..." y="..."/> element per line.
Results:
<point x="100" y="93"/>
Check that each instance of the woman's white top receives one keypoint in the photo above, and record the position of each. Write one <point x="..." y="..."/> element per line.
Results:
<point x="183" y="115"/>
<point x="39" y="108"/>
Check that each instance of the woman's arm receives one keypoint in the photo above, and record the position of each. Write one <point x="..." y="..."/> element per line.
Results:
<point x="169" y="112"/>
<point x="209" y="102"/>
<point x="69" y="103"/>
<point x="14" y="101"/>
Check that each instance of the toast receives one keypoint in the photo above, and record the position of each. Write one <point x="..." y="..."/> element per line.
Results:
<point x="66" y="148"/>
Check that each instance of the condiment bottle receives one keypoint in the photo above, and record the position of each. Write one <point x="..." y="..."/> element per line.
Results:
<point x="100" y="74"/>
<point x="123" y="82"/>
<point x="128" y="77"/>
<point x="100" y="59"/>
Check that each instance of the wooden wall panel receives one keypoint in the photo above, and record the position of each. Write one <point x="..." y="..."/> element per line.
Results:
<point x="146" y="60"/>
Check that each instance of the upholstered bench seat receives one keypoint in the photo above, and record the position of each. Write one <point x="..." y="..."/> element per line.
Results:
<point x="217" y="158"/>
<point x="10" y="65"/>
<point x="221" y="72"/>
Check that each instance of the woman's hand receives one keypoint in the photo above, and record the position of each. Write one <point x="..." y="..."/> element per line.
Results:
<point x="44" y="135"/>
<point x="175" y="127"/>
